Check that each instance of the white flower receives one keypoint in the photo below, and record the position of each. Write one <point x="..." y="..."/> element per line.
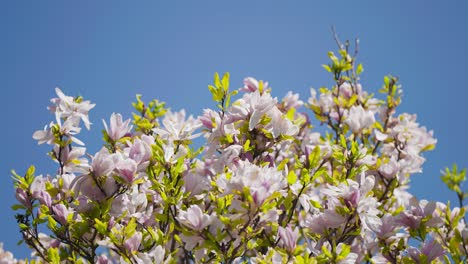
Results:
<point x="194" y="218"/>
<point x="117" y="128"/>
<point x="6" y="257"/>
<point x="288" y="237"/>
<point x="351" y="258"/>
<point x="280" y="125"/>
<point x="126" y="169"/>
<point x="259" y="105"/>
<point x="45" y="135"/>
<point x="66" y="106"/>
<point x="261" y="181"/>
<point x="291" y="101"/>
<point x="359" y="119"/>
<point x="176" y="127"/>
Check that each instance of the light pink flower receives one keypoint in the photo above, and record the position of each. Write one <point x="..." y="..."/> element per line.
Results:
<point x="140" y="151"/>
<point x="62" y="213"/>
<point x="66" y="106"/>
<point x="291" y="100"/>
<point x="251" y="85"/>
<point x="280" y="125"/>
<point x="351" y="258"/>
<point x="194" y="218"/>
<point x="117" y="128"/>
<point x="359" y="119"/>
<point x="177" y="127"/>
<point x="102" y="163"/>
<point x="288" y="237"/>
<point x="132" y="243"/>
<point x="22" y="197"/>
<point x="6" y="257"/>
<point x="127" y="169"/>
<point x="45" y="135"/>
<point x="431" y="249"/>
<point x="102" y="259"/>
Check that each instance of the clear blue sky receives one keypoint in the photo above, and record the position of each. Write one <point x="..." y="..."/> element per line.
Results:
<point x="108" y="51"/>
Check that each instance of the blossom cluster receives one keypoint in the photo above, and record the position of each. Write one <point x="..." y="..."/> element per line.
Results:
<point x="264" y="188"/>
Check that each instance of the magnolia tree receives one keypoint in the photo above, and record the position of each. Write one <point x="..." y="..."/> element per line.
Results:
<point x="264" y="188"/>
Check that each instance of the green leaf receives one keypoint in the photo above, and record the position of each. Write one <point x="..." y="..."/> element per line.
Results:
<point x="283" y="164"/>
<point x="52" y="224"/>
<point x="327" y="67"/>
<point x="343" y="141"/>
<point x="225" y="82"/>
<point x="326" y="252"/>
<point x="53" y="255"/>
<point x="292" y="177"/>
<point x="290" y="113"/>
<point x="345" y="250"/>
<point x="315" y="204"/>
<point x="247" y="145"/>
<point x="101" y="227"/>
<point x="17" y="207"/>
<point x="30" y="171"/>
<point x="130" y="228"/>
<point x="314" y="157"/>
<point x="217" y="82"/>
<point x="359" y="69"/>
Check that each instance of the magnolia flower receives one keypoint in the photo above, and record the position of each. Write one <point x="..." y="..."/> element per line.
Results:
<point x="291" y="100"/>
<point x="280" y="125"/>
<point x="62" y="213"/>
<point x="354" y="195"/>
<point x="132" y="243"/>
<point x="252" y="107"/>
<point x="45" y="135"/>
<point x="176" y="127"/>
<point x="196" y="183"/>
<point x="37" y="186"/>
<point x="117" y="128"/>
<point x="6" y="257"/>
<point x="288" y="237"/>
<point x="346" y="90"/>
<point x="260" y="105"/>
<point x="155" y="255"/>
<point x="190" y="242"/>
<point x="102" y="259"/>
<point x="69" y="128"/>
<point x="103" y="163"/>
<point x="194" y="218"/>
<point x="231" y="155"/>
<point x="359" y="119"/>
<point x="379" y="135"/>
<point x="96" y="189"/>
<point x="389" y="169"/>
<point x="320" y="222"/>
<point x="22" y="197"/>
<point x="72" y="158"/>
<point x="251" y="85"/>
<point x="271" y="256"/>
<point x="208" y="118"/>
<point x="432" y="250"/>
<point x="413" y="216"/>
<point x="325" y="101"/>
<point x="351" y="258"/>
<point x="127" y="169"/>
<point x="261" y="181"/>
<point x="173" y="153"/>
<point x="140" y="151"/>
<point x="66" y="106"/>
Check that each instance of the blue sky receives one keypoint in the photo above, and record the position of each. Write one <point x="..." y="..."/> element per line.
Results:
<point x="108" y="51"/>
